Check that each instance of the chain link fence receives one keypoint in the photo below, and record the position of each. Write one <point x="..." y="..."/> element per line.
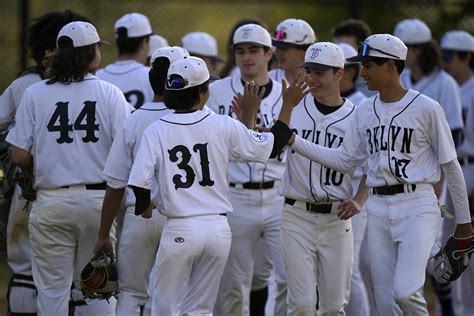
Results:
<point x="174" y="18"/>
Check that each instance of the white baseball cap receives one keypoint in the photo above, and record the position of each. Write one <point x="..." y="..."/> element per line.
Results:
<point x="201" y="43"/>
<point x="457" y="40"/>
<point x="348" y="51"/>
<point x="253" y="34"/>
<point x="412" y="32"/>
<point x="173" y="54"/>
<point x="137" y="25"/>
<point x="381" y="46"/>
<point x="293" y="32"/>
<point x="81" y="33"/>
<point x="187" y="73"/>
<point x="323" y="56"/>
<point x="156" y="41"/>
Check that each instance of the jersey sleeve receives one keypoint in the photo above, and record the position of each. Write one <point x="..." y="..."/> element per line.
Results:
<point x="345" y="158"/>
<point x="120" y="159"/>
<point x="143" y="167"/>
<point x="21" y="135"/>
<point x="247" y="145"/>
<point x="440" y="136"/>
<point x="7" y="108"/>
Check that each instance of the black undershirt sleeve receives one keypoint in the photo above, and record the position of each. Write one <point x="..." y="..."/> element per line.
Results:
<point x="142" y="197"/>
<point x="282" y="134"/>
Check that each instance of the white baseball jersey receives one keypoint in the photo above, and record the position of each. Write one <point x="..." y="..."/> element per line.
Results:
<point x="306" y="180"/>
<point x="441" y="87"/>
<point x="277" y="75"/>
<point x="403" y="142"/>
<point x="132" y="78"/>
<point x="467" y="91"/>
<point x="191" y="152"/>
<point x="221" y="94"/>
<point x="69" y="129"/>
<point x="125" y="146"/>
<point x="357" y="98"/>
<point x="11" y="97"/>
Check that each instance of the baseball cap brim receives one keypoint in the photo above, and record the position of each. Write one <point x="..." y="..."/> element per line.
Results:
<point x="280" y="44"/>
<point x="316" y="66"/>
<point x="251" y="43"/>
<point x="360" y="59"/>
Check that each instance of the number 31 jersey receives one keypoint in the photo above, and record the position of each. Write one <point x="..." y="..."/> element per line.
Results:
<point x="69" y="128"/>
<point x="190" y="153"/>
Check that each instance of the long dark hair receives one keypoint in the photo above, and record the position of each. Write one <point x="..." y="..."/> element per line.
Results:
<point x="69" y="64"/>
<point x="43" y="32"/>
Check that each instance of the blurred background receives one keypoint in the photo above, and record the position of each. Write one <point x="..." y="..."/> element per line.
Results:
<point x="174" y="18"/>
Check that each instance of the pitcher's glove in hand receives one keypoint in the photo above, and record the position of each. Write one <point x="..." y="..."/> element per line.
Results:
<point x="451" y="260"/>
<point x="99" y="278"/>
<point x="25" y="180"/>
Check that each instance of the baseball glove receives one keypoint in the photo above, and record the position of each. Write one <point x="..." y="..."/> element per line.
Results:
<point x="451" y="260"/>
<point x="25" y="180"/>
<point x="99" y="278"/>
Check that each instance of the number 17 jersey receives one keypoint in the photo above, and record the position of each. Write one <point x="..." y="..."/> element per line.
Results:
<point x="69" y="128"/>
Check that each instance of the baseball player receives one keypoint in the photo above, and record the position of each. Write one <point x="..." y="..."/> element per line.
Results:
<point x="457" y="49"/>
<point x="359" y="301"/>
<point x="425" y="75"/>
<point x="318" y="200"/>
<point x="129" y="73"/>
<point x="139" y="237"/>
<point x="156" y="41"/>
<point x="405" y="139"/>
<point x="41" y="40"/>
<point x="190" y="166"/>
<point x="64" y="129"/>
<point x="291" y="39"/>
<point x="353" y="32"/>
<point x="253" y="185"/>
<point x="204" y="46"/>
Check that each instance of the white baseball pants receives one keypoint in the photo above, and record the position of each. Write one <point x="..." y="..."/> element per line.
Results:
<point x="318" y="252"/>
<point x="136" y="254"/>
<point x="401" y="231"/>
<point x="190" y="260"/>
<point x="64" y="224"/>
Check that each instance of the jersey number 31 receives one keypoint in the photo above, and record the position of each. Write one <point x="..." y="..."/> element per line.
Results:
<point x="61" y="116"/>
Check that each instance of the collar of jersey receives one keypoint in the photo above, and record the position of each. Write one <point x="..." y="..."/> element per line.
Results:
<point x="186" y="118"/>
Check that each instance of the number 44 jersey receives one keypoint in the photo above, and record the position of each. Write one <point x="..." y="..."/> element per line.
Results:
<point x="189" y="154"/>
<point x="69" y="128"/>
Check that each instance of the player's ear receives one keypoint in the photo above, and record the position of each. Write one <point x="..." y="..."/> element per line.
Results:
<point x="391" y="67"/>
<point x="268" y="53"/>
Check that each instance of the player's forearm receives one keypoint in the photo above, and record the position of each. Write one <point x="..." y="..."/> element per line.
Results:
<point x="362" y="191"/>
<point x="22" y="158"/>
<point x="457" y="190"/>
<point x="329" y="157"/>
<point x="110" y="206"/>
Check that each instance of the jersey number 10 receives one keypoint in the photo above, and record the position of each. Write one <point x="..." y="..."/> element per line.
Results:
<point x="61" y="116"/>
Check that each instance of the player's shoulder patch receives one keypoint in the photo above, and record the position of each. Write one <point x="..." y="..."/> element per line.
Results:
<point x="258" y="137"/>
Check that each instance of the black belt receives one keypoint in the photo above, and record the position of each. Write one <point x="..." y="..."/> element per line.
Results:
<point x="254" y="185"/>
<point x="93" y="186"/>
<point x="469" y="160"/>
<point x="392" y="189"/>
<point x="321" y="208"/>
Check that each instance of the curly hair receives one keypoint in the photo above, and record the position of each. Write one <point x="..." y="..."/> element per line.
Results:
<point x="44" y="30"/>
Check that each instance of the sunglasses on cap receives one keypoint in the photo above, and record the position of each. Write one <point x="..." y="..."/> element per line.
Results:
<point x="365" y="48"/>
<point x="176" y="82"/>
<point x="447" y="56"/>
<point x="279" y="35"/>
